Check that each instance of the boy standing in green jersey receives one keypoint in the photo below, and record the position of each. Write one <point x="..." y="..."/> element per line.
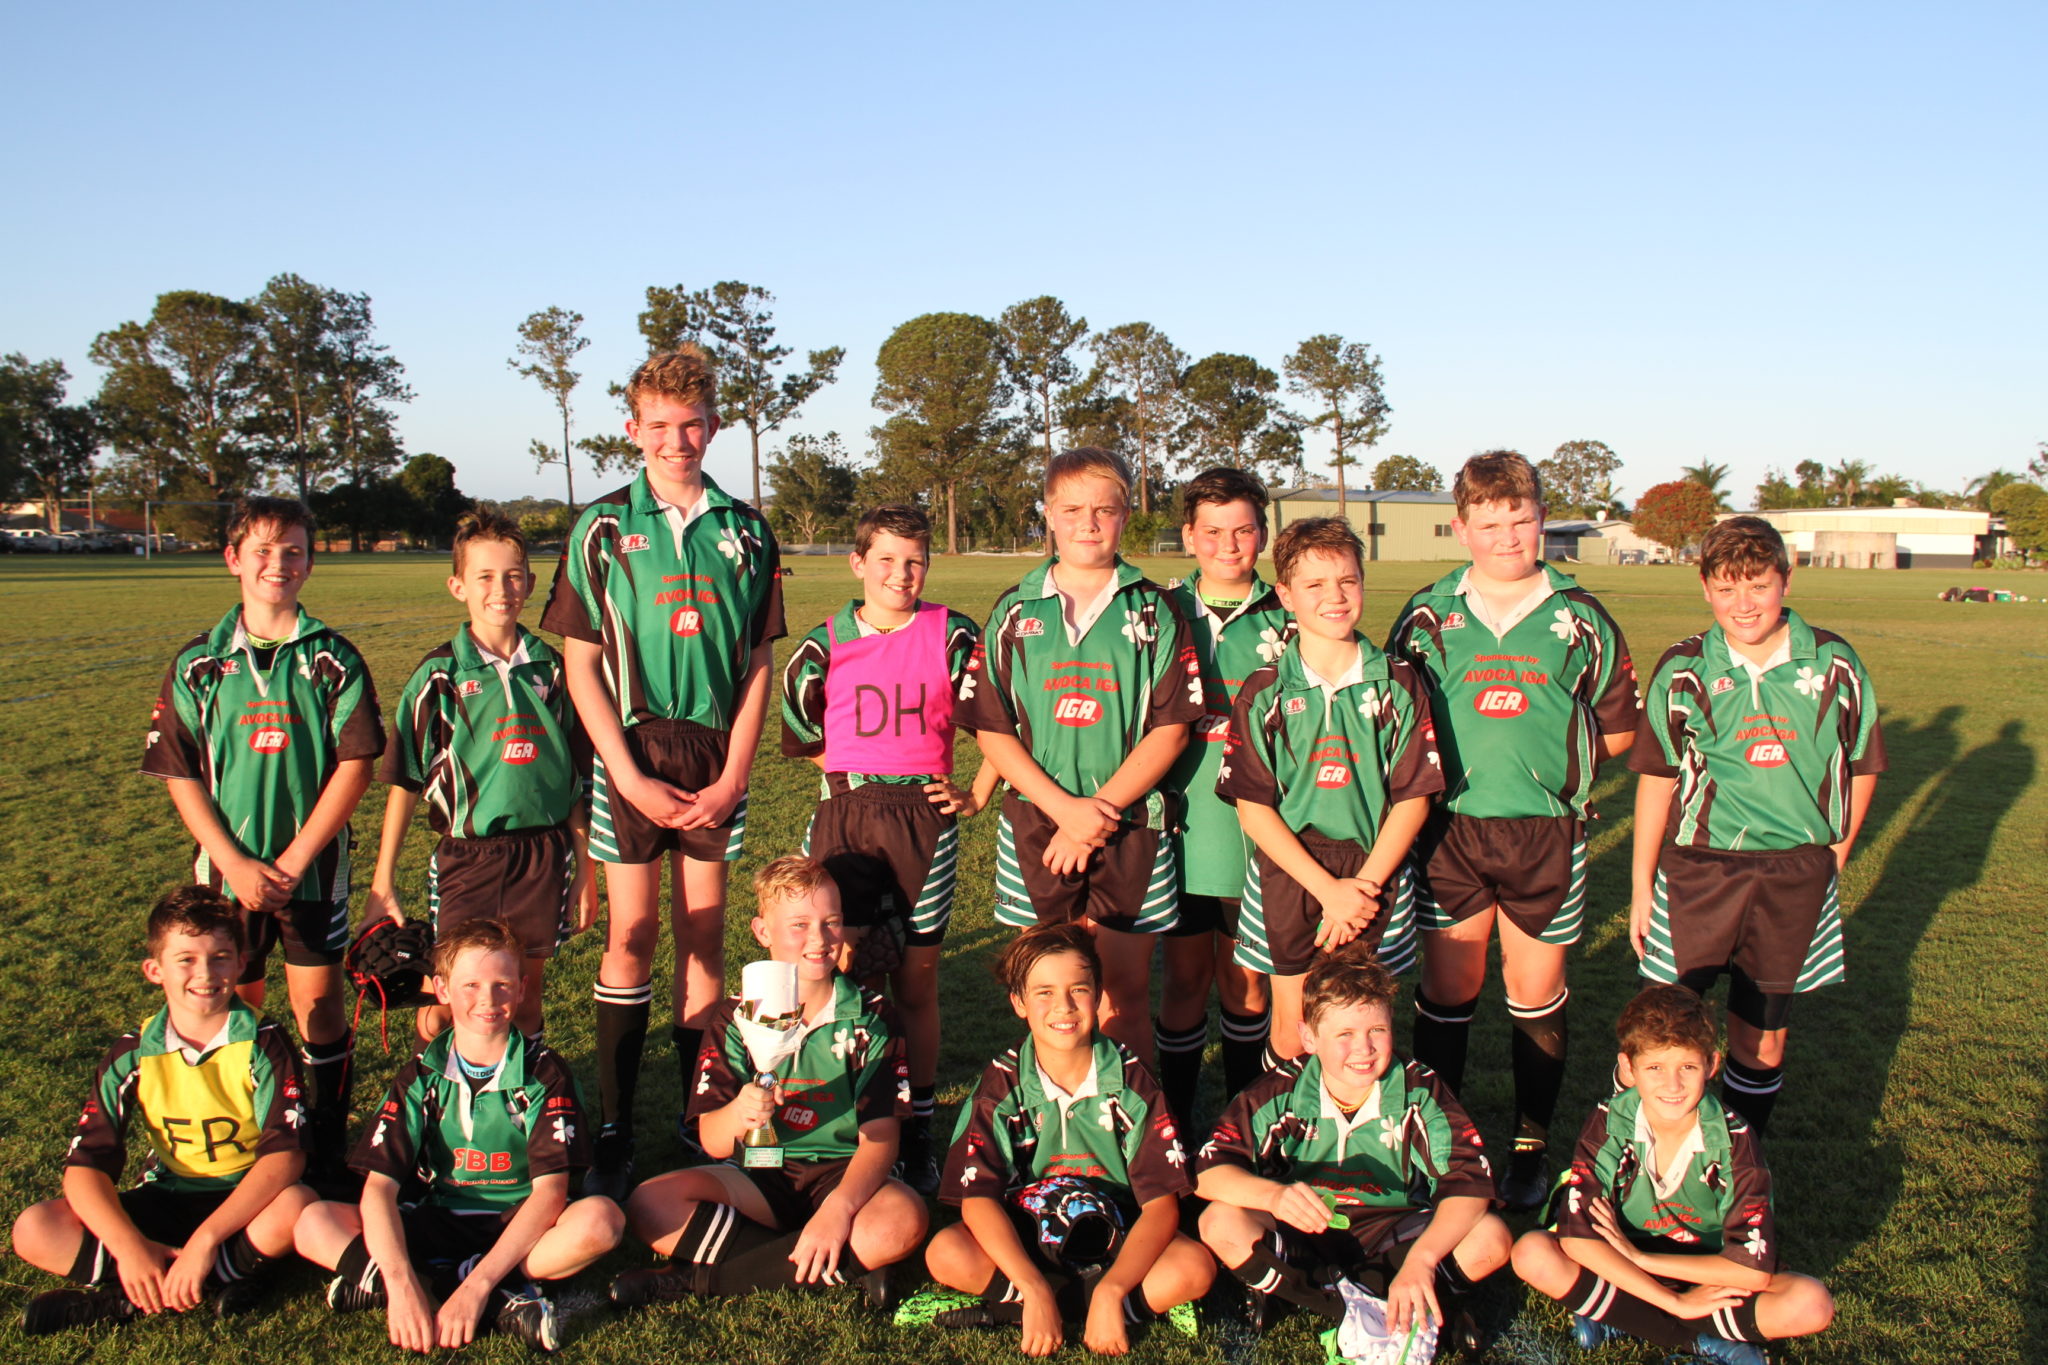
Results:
<point x="1349" y="1161"/>
<point x="1757" y="756"/>
<point x="1332" y="766"/>
<point x="491" y="1125"/>
<point x="1067" y="1170"/>
<point x="1663" y="1228"/>
<point x="216" y="1090"/>
<point x="869" y="697"/>
<point x="1531" y="689"/>
<point x="1237" y="625"/>
<point x="829" y="1211"/>
<point x="668" y="602"/>
<point x="486" y="733"/>
<point x="264" y="734"/>
<point x="1081" y="694"/>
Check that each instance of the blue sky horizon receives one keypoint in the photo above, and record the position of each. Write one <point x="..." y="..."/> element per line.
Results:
<point x="1755" y="236"/>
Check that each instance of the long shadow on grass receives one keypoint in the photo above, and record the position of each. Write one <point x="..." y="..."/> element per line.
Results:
<point x="1846" y="1040"/>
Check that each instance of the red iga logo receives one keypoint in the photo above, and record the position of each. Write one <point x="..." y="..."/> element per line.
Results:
<point x="1076" y="710"/>
<point x="270" y="740"/>
<point x="627" y="544"/>
<point x="519" y="751"/>
<point x="1030" y="625"/>
<point x="801" y="1117"/>
<point x="1499" y="701"/>
<point x="686" y="622"/>
<point x="471" y="1159"/>
<point x="471" y="687"/>
<point x="1213" y="728"/>
<point x="1455" y="621"/>
<point x="1333" y="775"/>
<point x="1767" y="753"/>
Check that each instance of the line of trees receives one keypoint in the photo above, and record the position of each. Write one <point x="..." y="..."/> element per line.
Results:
<point x="210" y="397"/>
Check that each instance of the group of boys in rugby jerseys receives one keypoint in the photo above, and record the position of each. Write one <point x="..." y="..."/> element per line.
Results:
<point x="1225" y="765"/>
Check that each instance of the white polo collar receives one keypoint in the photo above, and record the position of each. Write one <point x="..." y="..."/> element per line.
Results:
<point x="1694" y="1144"/>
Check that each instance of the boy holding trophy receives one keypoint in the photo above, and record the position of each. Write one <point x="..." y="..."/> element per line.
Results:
<point x="800" y="1088"/>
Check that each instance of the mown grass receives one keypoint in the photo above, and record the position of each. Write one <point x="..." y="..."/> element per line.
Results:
<point x="1909" y="1150"/>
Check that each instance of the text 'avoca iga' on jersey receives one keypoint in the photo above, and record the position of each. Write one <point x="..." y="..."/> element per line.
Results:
<point x="1761" y="763"/>
<point x="1408" y="1146"/>
<point x="677" y="613"/>
<point x="477" y="1146"/>
<point x="489" y="745"/>
<point x="1230" y="647"/>
<point x="1080" y="707"/>
<point x="1519" y="716"/>
<point x="207" y="1121"/>
<point x="848" y="1070"/>
<point x="1334" y="763"/>
<point x="264" y="729"/>
<point x="1115" y="1130"/>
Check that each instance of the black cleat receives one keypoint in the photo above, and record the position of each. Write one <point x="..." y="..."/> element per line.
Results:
<point x="1527" y="1181"/>
<point x="981" y="1315"/>
<point x="663" y="1284"/>
<point x="917" y="1165"/>
<point x="63" y="1309"/>
<point x="233" y="1300"/>
<point x="881" y="1295"/>
<point x="611" y="1166"/>
<point x="349" y="1296"/>
<point x="530" y="1316"/>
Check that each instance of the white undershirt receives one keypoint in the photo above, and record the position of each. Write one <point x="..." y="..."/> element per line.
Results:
<point x="1079" y="618"/>
<point x="1347" y="1124"/>
<point x="191" y="1051"/>
<point x="1781" y="655"/>
<point x="1667" y="1180"/>
<point x="679" y="516"/>
<point x="1539" y="589"/>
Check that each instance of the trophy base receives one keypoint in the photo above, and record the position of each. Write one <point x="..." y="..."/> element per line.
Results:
<point x="762" y="1158"/>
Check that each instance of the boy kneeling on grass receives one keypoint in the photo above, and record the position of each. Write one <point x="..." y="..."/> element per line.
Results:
<point x="492" y="1123"/>
<point x="1067" y="1170"/>
<point x="217" y="1091"/>
<point x="828" y="1210"/>
<point x="1347" y="1173"/>
<point x="1663" y="1225"/>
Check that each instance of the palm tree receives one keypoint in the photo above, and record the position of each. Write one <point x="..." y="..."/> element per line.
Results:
<point x="1849" y="477"/>
<point x="1980" y="489"/>
<point x="1709" y="476"/>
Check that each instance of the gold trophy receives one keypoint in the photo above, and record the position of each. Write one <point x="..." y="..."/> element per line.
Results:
<point x="770" y="1020"/>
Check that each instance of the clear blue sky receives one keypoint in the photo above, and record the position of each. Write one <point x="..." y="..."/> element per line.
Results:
<point x="1751" y="233"/>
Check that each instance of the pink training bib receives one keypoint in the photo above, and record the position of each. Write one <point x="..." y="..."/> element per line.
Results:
<point x="889" y="700"/>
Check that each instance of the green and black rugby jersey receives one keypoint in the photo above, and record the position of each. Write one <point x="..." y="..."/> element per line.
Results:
<point x="207" y="1120"/>
<point x="1760" y="763"/>
<point x="492" y="749"/>
<point x="264" y="729"/>
<point x="1332" y="763"/>
<point x="1080" y="707"/>
<point x="1715" y="1198"/>
<point x="1519" y="716"/>
<point x="476" y="1146"/>
<point x="1408" y="1146"/>
<point x="1230" y="646"/>
<point x="678" y="614"/>
<point x="849" y="1070"/>
<point x="803" y="692"/>
<point x="1115" y="1130"/>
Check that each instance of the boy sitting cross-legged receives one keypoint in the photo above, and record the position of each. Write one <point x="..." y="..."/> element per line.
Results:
<point x="1663" y="1225"/>
<point x="1350" y="1134"/>
<point x="1332" y="764"/>
<point x="491" y="1124"/>
<point x="217" y="1092"/>
<point x="1067" y="1170"/>
<point x="829" y="1211"/>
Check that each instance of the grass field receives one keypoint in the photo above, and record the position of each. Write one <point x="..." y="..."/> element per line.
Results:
<point x="1910" y="1151"/>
